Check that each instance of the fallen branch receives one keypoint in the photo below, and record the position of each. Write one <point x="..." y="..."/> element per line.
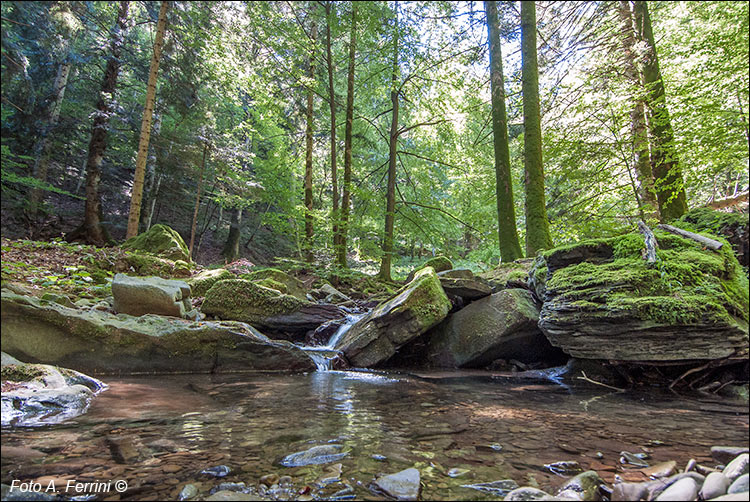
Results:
<point x="587" y="379"/>
<point x="729" y="201"/>
<point x="709" y="243"/>
<point x="650" y="240"/>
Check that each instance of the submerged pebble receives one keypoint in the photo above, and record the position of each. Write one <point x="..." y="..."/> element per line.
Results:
<point x="218" y="471"/>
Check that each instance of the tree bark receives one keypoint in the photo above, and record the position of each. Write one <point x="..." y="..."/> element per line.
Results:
<point x="645" y="180"/>
<point x="232" y="247"/>
<point x="92" y="230"/>
<point x="332" y="100"/>
<point x="148" y="110"/>
<point x="197" y="201"/>
<point x="390" y="210"/>
<point x="668" y="181"/>
<point x="309" y="232"/>
<point x="41" y="149"/>
<point x="537" y="225"/>
<point x="345" y="201"/>
<point x="510" y="249"/>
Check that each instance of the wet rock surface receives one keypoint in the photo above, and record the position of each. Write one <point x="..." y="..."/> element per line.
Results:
<point x="403" y="485"/>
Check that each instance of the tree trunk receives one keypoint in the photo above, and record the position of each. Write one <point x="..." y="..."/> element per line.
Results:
<point x="537" y="225"/>
<point x="148" y="110"/>
<point x="41" y="149"/>
<point x="309" y="233"/>
<point x="332" y="99"/>
<point x="150" y="182"/>
<point x="232" y="247"/>
<point x="345" y="201"/>
<point x="668" y="182"/>
<point x="153" y="202"/>
<point x="92" y="230"/>
<point x="197" y="201"/>
<point x="510" y="249"/>
<point x="390" y="210"/>
<point x="645" y="189"/>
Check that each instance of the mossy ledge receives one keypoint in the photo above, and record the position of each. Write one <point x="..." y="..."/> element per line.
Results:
<point x="602" y="300"/>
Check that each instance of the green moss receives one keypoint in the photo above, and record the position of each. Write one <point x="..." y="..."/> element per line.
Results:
<point x="243" y="300"/>
<point x="202" y="282"/>
<point x="161" y="240"/>
<point x="20" y="372"/>
<point x="511" y="271"/>
<point x="687" y="284"/>
<point x="706" y="219"/>
<point x="272" y="284"/>
<point x="292" y="285"/>
<point x="424" y="296"/>
<point x="439" y="264"/>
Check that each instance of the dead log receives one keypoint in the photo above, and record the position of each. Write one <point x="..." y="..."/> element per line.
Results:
<point x="650" y="240"/>
<point x="729" y="201"/>
<point x="705" y="241"/>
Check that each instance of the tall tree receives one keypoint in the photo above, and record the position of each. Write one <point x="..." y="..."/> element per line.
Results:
<point x="510" y="249"/>
<point x="537" y="225"/>
<point x="197" y="200"/>
<point x="148" y="110"/>
<point x="390" y="209"/>
<point x="332" y="102"/>
<point x="92" y="230"/>
<point x="232" y="246"/>
<point x="645" y="188"/>
<point x="309" y="232"/>
<point x="346" y="196"/>
<point x="668" y="182"/>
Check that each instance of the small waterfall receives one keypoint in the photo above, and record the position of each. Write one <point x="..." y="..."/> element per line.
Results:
<point x="323" y="355"/>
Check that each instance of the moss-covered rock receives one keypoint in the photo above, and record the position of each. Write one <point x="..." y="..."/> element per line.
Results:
<point x="464" y="283"/>
<point x="202" y="282"/>
<point x="604" y="301"/>
<point x="412" y="311"/>
<point x="438" y="264"/>
<point x="292" y="285"/>
<point x="243" y="300"/>
<point x="160" y="240"/>
<point x="271" y="284"/>
<point x="732" y="226"/>
<point x="508" y="275"/>
<point x="102" y="343"/>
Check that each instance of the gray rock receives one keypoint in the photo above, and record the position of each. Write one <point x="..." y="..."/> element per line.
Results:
<point x="43" y="395"/>
<point x="150" y="295"/>
<point x="526" y="493"/>
<point x="322" y="454"/>
<point x="737" y="467"/>
<point x="725" y="454"/>
<point x="500" y="326"/>
<point x="629" y="491"/>
<point x="715" y="484"/>
<point x="229" y="495"/>
<point x="404" y="485"/>
<point x="98" y="342"/>
<point x="499" y="488"/>
<point x="684" y="489"/>
<point x="410" y="312"/>
<point x="463" y="283"/>
<point x="656" y="487"/>
<point x="188" y="491"/>
<point x="61" y="299"/>
<point x="217" y="471"/>
<point x="745" y="496"/>
<point x="333" y="295"/>
<point x="740" y="485"/>
<point x="584" y="486"/>
<point x="161" y="240"/>
<point x="18" y="495"/>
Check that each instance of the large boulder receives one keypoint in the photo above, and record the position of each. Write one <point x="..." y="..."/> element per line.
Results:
<point x="272" y="276"/>
<point x="500" y="326"/>
<point x="98" y="342"/>
<point x="150" y="295"/>
<point x="513" y="274"/>
<point x="40" y="394"/>
<point x="242" y="300"/>
<point x="202" y="282"/>
<point x="463" y="283"/>
<point x="412" y="311"/>
<point x="160" y="240"/>
<point x="439" y="264"/>
<point x="602" y="300"/>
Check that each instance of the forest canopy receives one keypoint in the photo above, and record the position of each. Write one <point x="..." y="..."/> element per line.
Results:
<point x="369" y="134"/>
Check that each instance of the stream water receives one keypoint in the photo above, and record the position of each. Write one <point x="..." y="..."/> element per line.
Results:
<point x="159" y="432"/>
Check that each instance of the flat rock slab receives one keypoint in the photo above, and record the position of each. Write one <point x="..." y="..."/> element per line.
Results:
<point x="150" y="295"/>
<point x="322" y="454"/>
<point x="725" y="454"/>
<point x="463" y="283"/>
<point x="404" y="485"/>
<point x="99" y="342"/>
